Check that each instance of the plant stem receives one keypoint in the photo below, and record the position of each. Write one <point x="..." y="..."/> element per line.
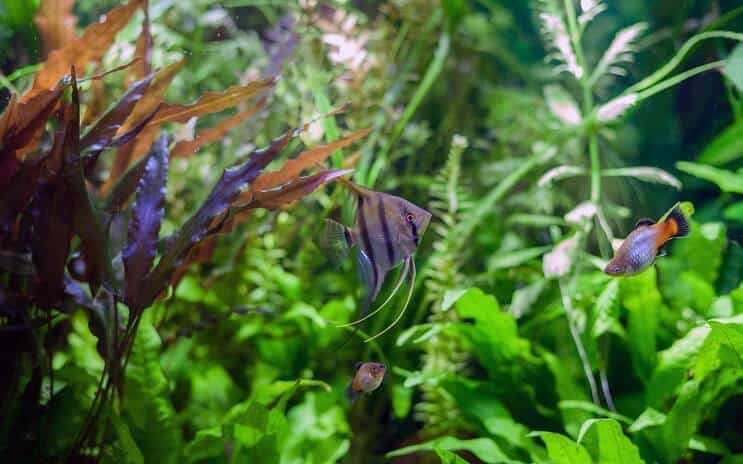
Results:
<point x="579" y="345"/>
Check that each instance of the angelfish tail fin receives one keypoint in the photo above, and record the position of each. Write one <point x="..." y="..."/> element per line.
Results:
<point x="336" y="241"/>
<point x="677" y="223"/>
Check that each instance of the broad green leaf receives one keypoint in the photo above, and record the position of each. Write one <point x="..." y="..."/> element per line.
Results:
<point x="568" y="389"/>
<point x="729" y="332"/>
<point x="673" y="365"/>
<point x="607" y="443"/>
<point x="726" y="147"/>
<point x="124" y="450"/>
<point x="640" y="295"/>
<point x="524" y="298"/>
<point x="208" y="443"/>
<point x="701" y="253"/>
<point x="734" y="212"/>
<point x="147" y="408"/>
<point x="734" y="67"/>
<point x="484" y="448"/>
<point x="594" y="409"/>
<point x="563" y="450"/>
<point x="728" y="181"/>
<point x="402" y="400"/>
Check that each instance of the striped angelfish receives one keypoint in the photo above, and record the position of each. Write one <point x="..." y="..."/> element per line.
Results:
<point x="386" y="232"/>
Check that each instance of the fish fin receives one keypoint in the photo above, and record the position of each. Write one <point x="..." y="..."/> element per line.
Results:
<point x="404" y="306"/>
<point x="662" y="251"/>
<point x="679" y="225"/>
<point x="336" y="240"/>
<point x="358" y="365"/>
<point x="644" y="222"/>
<point x="354" y="188"/>
<point x="350" y="394"/>
<point x="372" y="277"/>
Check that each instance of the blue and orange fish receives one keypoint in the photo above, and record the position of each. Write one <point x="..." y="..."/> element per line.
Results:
<point x="643" y="244"/>
<point x="387" y="231"/>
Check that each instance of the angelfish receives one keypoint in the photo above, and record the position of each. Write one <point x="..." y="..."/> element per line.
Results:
<point x="387" y="230"/>
<point x="368" y="377"/>
<point x="645" y="242"/>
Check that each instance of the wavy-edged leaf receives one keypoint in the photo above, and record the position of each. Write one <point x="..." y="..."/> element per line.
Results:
<point x="125" y="188"/>
<point x="147" y="408"/>
<point x="56" y="24"/>
<point x="153" y="96"/>
<point x="143" y="49"/>
<point x="212" y="134"/>
<point x="91" y="46"/>
<point x="101" y="135"/>
<point x="607" y="443"/>
<point x="563" y="450"/>
<point x="23" y="120"/>
<point x="283" y="195"/>
<point x="217" y="205"/>
<point x="606" y="311"/>
<point x="211" y="102"/>
<point x="305" y="160"/>
<point x="144" y="226"/>
<point x="728" y="181"/>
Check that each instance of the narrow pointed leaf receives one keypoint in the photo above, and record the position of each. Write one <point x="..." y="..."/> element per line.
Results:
<point x="56" y="24"/>
<point x="212" y="134"/>
<point x="199" y="225"/>
<point x="284" y="195"/>
<point x="91" y="46"/>
<point x="306" y="160"/>
<point x="144" y="226"/>
<point x="153" y="96"/>
<point x="211" y="102"/>
<point x="100" y="136"/>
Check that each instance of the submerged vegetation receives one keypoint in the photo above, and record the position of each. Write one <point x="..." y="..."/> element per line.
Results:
<point x="167" y="170"/>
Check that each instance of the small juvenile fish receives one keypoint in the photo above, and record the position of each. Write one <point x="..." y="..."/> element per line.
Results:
<point x="642" y="245"/>
<point x="387" y="231"/>
<point x="368" y="377"/>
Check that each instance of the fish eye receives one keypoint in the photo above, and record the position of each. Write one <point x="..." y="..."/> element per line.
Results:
<point x="410" y="218"/>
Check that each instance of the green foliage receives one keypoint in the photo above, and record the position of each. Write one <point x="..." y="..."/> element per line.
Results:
<point x="537" y="133"/>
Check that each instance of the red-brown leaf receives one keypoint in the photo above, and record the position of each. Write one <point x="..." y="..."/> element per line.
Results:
<point x="212" y="134"/>
<point x="56" y="24"/>
<point x="211" y="102"/>
<point x="91" y="46"/>
<point x="305" y="160"/>
<point x="143" y="48"/>
<point x="296" y="189"/>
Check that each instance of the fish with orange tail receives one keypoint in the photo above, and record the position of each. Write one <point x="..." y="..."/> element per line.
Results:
<point x="643" y="244"/>
<point x="368" y="377"/>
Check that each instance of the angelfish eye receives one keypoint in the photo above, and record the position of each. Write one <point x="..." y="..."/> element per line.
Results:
<point x="410" y="218"/>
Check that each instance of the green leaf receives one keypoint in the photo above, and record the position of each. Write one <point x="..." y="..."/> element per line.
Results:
<point x="447" y="457"/>
<point x="402" y="400"/>
<point x="726" y="147"/>
<point x="701" y="253"/>
<point x="648" y="419"/>
<point x="592" y="408"/>
<point x="208" y="443"/>
<point x="149" y="413"/>
<point x="607" y="443"/>
<point x="640" y="295"/>
<point x="734" y="67"/>
<point x="729" y="333"/>
<point x="124" y="450"/>
<point x="484" y="448"/>
<point x="515" y="258"/>
<point x="673" y="365"/>
<point x="734" y="212"/>
<point x="606" y="311"/>
<point x="728" y="181"/>
<point x="563" y="450"/>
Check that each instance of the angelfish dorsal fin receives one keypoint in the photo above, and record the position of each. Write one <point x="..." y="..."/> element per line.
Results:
<point x="644" y="222"/>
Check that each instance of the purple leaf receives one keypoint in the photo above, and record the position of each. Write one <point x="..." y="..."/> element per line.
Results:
<point x="233" y="181"/>
<point x="144" y="226"/>
<point x="102" y="134"/>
